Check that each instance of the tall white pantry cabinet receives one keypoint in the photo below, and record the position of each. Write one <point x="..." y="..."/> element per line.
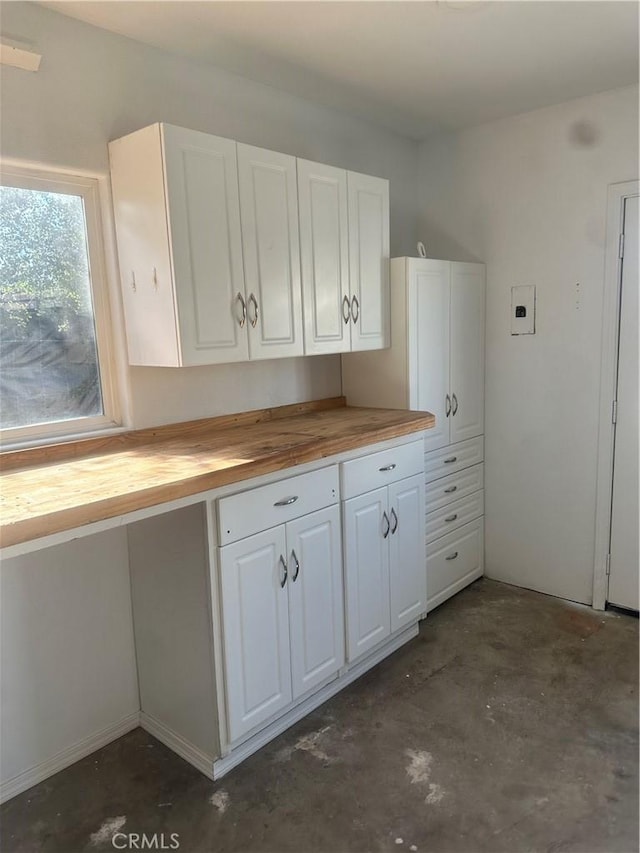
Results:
<point x="436" y="363"/>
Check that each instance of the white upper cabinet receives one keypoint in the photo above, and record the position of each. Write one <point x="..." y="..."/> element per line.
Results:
<point x="269" y="210"/>
<point x="177" y="218"/>
<point x="324" y="253"/>
<point x="222" y="246"/>
<point x="344" y="247"/>
<point x="369" y="261"/>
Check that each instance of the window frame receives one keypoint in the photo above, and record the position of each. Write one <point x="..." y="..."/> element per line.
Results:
<point x="88" y="188"/>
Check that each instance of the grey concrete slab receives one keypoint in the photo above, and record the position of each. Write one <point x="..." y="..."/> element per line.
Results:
<point x="509" y="724"/>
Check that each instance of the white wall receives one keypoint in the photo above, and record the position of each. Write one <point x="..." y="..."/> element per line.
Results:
<point x="527" y="195"/>
<point x="94" y="86"/>
<point x="68" y="668"/>
<point x="67" y="656"/>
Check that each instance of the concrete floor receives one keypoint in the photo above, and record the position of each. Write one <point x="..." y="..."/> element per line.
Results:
<point x="510" y="724"/>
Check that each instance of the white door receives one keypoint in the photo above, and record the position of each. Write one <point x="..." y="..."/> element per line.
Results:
<point x="316" y="606"/>
<point x="366" y="548"/>
<point x="623" y="580"/>
<point x="204" y="223"/>
<point x="467" y="351"/>
<point x="428" y="319"/>
<point x="269" y="216"/>
<point x="324" y="258"/>
<point x="407" y="557"/>
<point x="255" y="616"/>
<point x="369" y="261"/>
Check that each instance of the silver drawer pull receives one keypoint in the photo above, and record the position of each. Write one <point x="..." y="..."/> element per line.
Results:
<point x="388" y="467"/>
<point x="452" y="556"/>
<point x="450" y="489"/>
<point x="451" y="517"/>
<point x="287" y="501"/>
<point x="450" y="460"/>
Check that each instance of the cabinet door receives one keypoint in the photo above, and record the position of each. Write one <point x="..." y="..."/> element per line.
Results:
<point x="407" y="558"/>
<point x="324" y="238"/>
<point x="369" y="261"/>
<point x="204" y="223"/>
<point x="269" y="215"/>
<point x="140" y="214"/>
<point x="316" y="606"/>
<point x="366" y="552"/>
<point x="428" y="319"/>
<point x="255" y="616"/>
<point x="467" y="351"/>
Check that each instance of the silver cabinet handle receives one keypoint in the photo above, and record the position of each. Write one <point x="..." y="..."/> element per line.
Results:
<point x="452" y="517"/>
<point x="447" y="406"/>
<point x="242" y="320"/>
<point x="253" y="320"/>
<point x="296" y="562"/>
<point x="450" y="460"/>
<point x="454" y="407"/>
<point x="286" y="572"/>
<point x="355" y="309"/>
<point x="452" y="556"/>
<point x="450" y="489"/>
<point x="394" y="517"/>
<point x="155" y="278"/>
<point x="345" y="309"/>
<point x="388" y="467"/>
<point x="287" y="501"/>
<point x="385" y="517"/>
<point x="134" y="286"/>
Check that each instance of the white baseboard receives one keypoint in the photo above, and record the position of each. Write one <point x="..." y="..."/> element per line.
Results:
<point x="28" y="778"/>
<point x="199" y="759"/>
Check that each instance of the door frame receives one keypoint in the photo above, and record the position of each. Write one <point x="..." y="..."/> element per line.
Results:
<point x="616" y="197"/>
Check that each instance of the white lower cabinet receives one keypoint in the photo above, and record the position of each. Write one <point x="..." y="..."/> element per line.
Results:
<point x="454" y="522"/>
<point x="366" y="527"/>
<point x="384" y="563"/>
<point x="255" y="608"/>
<point x="454" y="560"/>
<point x="282" y="615"/>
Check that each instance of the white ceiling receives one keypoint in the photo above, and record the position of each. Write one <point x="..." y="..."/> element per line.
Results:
<point x="415" y="67"/>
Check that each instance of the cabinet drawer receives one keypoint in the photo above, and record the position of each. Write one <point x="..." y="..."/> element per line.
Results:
<point x="258" y="509"/>
<point x="454" y="457"/>
<point x="454" y="515"/>
<point x="378" y="469"/>
<point x="453" y="561"/>
<point x="442" y="492"/>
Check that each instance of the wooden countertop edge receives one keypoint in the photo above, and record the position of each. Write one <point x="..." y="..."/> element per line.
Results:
<point x="64" y="451"/>
<point x="309" y="451"/>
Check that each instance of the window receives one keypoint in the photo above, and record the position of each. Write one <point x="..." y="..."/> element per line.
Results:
<point x="54" y="330"/>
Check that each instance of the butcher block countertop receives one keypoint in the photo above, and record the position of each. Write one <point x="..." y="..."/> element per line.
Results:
<point x="60" y="487"/>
